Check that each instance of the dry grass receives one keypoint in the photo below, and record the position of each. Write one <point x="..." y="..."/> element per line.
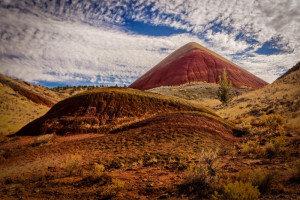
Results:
<point x="44" y="139"/>
<point x="281" y="97"/>
<point x="238" y="191"/>
<point x="16" y="110"/>
<point x="196" y="91"/>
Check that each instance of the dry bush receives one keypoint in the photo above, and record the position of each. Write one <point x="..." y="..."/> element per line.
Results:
<point x="98" y="173"/>
<point x="238" y="191"/>
<point x="200" y="184"/>
<point x="273" y="121"/>
<point x="251" y="147"/>
<point x="201" y="181"/>
<point x="275" y="146"/>
<point x="262" y="179"/>
<point x="294" y="170"/>
<point x="71" y="164"/>
<point x="44" y="139"/>
<point x="44" y="175"/>
<point x="269" y="151"/>
<point x="243" y="129"/>
<point x="209" y="157"/>
<point x="113" y="189"/>
<point x="279" y="142"/>
<point x="115" y="164"/>
<point x="4" y="154"/>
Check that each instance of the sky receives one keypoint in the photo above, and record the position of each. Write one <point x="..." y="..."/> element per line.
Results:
<point x="93" y="42"/>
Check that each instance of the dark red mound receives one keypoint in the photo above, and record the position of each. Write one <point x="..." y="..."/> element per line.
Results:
<point x="194" y="63"/>
<point x="100" y="109"/>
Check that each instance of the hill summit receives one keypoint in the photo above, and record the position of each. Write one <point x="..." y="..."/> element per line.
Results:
<point x="194" y="63"/>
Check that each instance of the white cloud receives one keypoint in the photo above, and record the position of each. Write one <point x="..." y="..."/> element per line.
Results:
<point x="226" y="43"/>
<point x="51" y="50"/>
<point x="47" y="42"/>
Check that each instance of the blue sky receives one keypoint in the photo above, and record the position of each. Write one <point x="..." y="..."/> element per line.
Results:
<point x="114" y="42"/>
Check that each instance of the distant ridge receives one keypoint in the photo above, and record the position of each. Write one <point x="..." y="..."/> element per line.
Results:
<point x="22" y="88"/>
<point x="194" y="63"/>
<point x="295" y="68"/>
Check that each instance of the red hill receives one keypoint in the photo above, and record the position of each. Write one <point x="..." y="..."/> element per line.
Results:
<point x="194" y="63"/>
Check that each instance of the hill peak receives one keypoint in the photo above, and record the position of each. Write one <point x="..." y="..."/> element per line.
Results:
<point x="195" y="63"/>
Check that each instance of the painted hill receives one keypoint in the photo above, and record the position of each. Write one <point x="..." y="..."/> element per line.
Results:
<point x="194" y="63"/>
<point x="100" y="109"/>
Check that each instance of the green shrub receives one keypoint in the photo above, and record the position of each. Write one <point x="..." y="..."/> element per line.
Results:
<point x="238" y="191"/>
<point x="223" y="92"/>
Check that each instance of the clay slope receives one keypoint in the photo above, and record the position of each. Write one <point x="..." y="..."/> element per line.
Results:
<point x="37" y="94"/>
<point x="194" y="63"/>
<point x="281" y="97"/>
<point x="100" y="109"/>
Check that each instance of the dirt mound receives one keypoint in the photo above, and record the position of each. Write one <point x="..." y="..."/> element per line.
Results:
<point x="101" y="109"/>
<point x="181" y="122"/>
<point x="194" y="63"/>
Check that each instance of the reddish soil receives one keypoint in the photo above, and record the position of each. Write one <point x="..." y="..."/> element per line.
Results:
<point x="151" y="152"/>
<point x="194" y="63"/>
<point x="166" y="137"/>
<point x="178" y="122"/>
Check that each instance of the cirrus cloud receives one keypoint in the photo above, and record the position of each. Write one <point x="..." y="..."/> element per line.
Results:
<point x="89" y="42"/>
